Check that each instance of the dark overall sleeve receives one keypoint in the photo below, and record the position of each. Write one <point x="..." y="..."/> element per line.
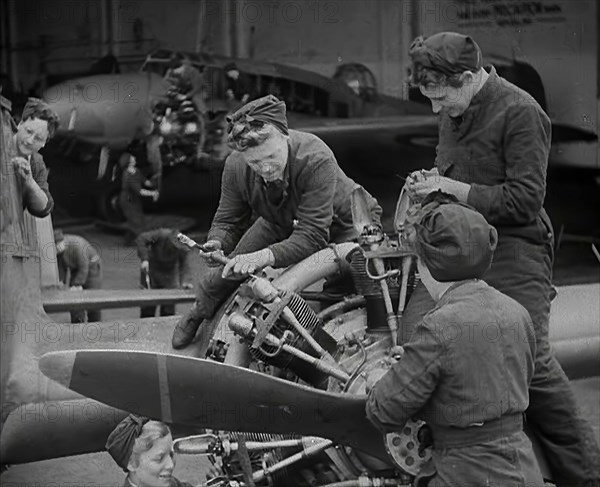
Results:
<point x="185" y="269"/>
<point x="40" y="175"/>
<point x="519" y="199"/>
<point x="404" y="390"/>
<point x="83" y="264"/>
<point x="317" y="185"/>
<point x="144" y="242"/>
<point x="134" y="182"/>
<point x="233" y="214"/>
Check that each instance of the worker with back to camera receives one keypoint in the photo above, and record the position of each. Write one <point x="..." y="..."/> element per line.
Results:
<point x="79" y="267"/>
<point x="143" y="448"/>
<point x="38" y="124"/>
<point x="492" y="153"/>
<point x="291" y="181"/>
<point x="164" y="264"/>
<point x="467" y="366"/>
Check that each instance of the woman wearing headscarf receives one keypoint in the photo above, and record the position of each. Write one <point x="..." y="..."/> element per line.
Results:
<point x="143" y="448"/>
<point x="492" y="153"/>
<point x="292" y="182"/>
<point x="467" y="367"/>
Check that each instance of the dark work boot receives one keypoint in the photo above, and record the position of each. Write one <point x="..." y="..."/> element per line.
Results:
<point x="186" y="328"/>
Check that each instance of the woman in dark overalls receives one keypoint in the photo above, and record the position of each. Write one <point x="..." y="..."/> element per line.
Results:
<point x="130" y="199"/>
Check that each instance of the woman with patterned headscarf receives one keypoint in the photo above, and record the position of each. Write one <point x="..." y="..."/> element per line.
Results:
<point x="293" y="183"/>
<point x="144" y="450"/>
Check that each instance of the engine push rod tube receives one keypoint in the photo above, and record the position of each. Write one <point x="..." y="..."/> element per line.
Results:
<point x="286" y="462"/>
<point x="392" y="320"/>
<point x="329" y="369"/>
<point x="244" y="327"/>
<point x="292" y="320"/>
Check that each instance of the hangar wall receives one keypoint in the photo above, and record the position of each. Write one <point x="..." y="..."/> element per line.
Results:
<point x="558" y="38"/>
<point x="66" y="36"/>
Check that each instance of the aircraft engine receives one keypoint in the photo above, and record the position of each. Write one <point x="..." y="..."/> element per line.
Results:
<point x="181" y="126"/>
<point x="338" y="350"/>
<point x="283" y="331"/>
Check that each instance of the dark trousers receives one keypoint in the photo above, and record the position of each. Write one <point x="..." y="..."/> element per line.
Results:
<point x="132" y="209"/>
<point x="164" y="309"/>
<point x="150" y="311"/>
<point x="212" y="289"/>
<point x="523" y="271"/>
<point x="93" y="281"/>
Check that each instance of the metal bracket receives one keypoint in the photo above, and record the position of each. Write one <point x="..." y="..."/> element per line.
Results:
<point x="263" y="326"/>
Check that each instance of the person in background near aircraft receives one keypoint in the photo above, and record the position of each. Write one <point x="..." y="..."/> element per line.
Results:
<point x="292" y="182"/>
<point x="236" y="89"/>
<point x="143" y="448"/>
<point x="450" y="362"/>
<point x="130" y="199"/>
<point x="164" y="265"/>
<point x="492" y="153"/>
<point x="38" y="124"/>
<point x="189" y="81"/>
<point x="79" y="267"/>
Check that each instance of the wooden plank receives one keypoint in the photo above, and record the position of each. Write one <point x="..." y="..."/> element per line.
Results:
<point x="55" y="301"/>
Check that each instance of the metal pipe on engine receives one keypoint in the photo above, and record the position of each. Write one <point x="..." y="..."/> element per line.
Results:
<point x="244" y="327"/>
<point x="406" y="265"/>
<point x="292" y="320"/>
<point x="286" y="462"/>
<point x="392" y="319"/>
<point x="188" y="445"/>
<point x="341" y="307"/>
<point x="318" y="266"/>
<point x="329" y="369"/>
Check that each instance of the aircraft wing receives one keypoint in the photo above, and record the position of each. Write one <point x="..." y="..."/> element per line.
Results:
<point x="42" y="419"/>
<point x="378" y="146"/>
<point x="402" y="124"/>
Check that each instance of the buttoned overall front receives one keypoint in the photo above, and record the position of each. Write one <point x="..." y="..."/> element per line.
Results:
<point x="466" y="372"/>
<point x="295" y="217"/>
<point x="500" y="147"/>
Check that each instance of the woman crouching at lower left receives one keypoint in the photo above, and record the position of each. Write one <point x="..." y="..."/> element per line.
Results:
<point x="143" y="448"/>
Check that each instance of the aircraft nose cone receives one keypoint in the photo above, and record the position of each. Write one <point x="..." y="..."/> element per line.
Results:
<point x="58" y="366"/>
<point x="60" y="102"/>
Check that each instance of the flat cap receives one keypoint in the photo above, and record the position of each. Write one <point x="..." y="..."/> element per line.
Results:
<point x="447" y="52"/>
<point x="453" y="239"/>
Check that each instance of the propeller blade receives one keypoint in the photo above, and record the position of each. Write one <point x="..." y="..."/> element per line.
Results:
<point x="202" y="393"/>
